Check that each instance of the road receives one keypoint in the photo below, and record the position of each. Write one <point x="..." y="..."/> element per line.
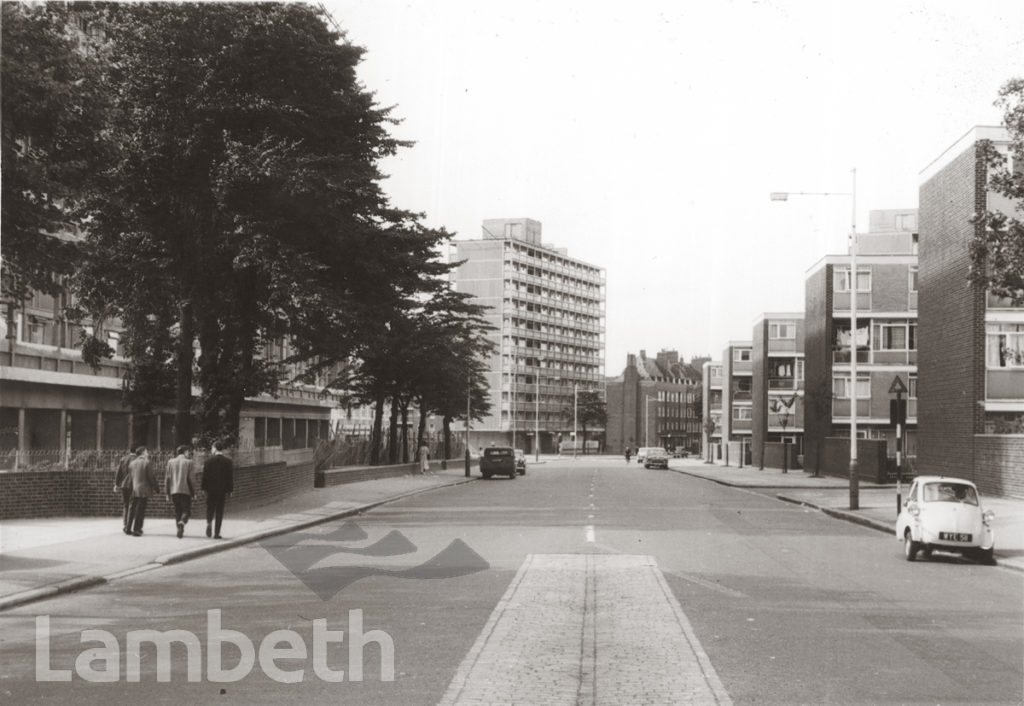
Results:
<point x="585" y="581"/>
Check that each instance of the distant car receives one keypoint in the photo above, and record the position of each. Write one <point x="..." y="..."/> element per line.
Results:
<point x="656" y="458"/>
<point x="680" y="453"/>
<point x="945" y="514"/>
<point x="520" y="462"/>
<point x="641" y="453"/>
<point x="498" y="461"/>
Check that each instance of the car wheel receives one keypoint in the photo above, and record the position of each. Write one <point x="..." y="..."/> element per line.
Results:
<point x="487" y="476"/>
<point x="985" y="556"/>
<point x="910" y="547"/>
<point x="512" y="475"/>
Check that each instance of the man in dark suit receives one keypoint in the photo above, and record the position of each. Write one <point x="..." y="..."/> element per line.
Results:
<point x="218" y="482"/>
<point x="123" y="485"/>
<point x="144" y="486"/>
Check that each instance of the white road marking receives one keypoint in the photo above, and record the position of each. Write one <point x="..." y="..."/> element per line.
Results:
<point x="587" y="629"/>
<point x="589" y="532"/>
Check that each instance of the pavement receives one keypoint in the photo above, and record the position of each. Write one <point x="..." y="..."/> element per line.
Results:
<point x="43" y="558"/>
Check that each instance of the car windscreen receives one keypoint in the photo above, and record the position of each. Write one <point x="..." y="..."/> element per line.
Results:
<point x="498" y="452"/>
<point x="946" y="492"/>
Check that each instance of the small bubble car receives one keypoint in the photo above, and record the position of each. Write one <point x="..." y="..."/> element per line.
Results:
<point x="945" y="514"/>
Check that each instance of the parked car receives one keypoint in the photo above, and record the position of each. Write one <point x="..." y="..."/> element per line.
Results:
<point x="641" y="453"/>
<point x="656" y="457"/>
<point x="498" y="461"/>
<point x="946" y="514"/>
<point x="520" y="462"/>
<point x="680" y="453"/>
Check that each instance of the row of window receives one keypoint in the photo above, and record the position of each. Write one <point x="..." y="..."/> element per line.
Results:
<point x="841" y="280"/>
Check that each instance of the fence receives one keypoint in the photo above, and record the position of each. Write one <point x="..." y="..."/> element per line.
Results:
<point x="359" y="451"/>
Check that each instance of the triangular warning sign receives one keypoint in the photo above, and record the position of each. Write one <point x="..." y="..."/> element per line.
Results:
<point x="897" y="387"/>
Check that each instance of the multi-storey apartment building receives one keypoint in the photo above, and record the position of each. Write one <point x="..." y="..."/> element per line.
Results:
<point x="548" y="311"/>
<point x="884" y="338"/>
<point x="737" y="401"/>
<point x="652" y="403"/>
<point x="777" y="364"/>
<point x="53" y="403"/>
<point x="972" y="343"/>
<point x="711" y="396"/>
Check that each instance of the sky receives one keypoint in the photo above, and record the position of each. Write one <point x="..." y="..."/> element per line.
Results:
<point x="647" y="136"/>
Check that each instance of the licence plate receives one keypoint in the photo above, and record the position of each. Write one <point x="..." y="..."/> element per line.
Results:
<point x="955" y="536"/>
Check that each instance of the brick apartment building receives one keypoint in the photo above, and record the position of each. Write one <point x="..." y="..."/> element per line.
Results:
<point x="652" y="403"/>
<point x="972" y="343"/>
<point x="884" y="337"/>
<point x="737" y="419"/>
<point x="548" y="312"/>
<point x="777" y="364"/>
<point x="711" y="381"/>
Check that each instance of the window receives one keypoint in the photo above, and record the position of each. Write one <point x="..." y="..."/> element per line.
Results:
<point x="912" y="386"/>
<point x="800" y="369"/>
<point x="741" y="355"/>
<point x="912" y="279"/>
<point x="841" y="387"/>
<point x="1004" y="345"/>
<point x="742" y="413"/>
<point x="841" y="279"/>
<point x="782" y="330"/>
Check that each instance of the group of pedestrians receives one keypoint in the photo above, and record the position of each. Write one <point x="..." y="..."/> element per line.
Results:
<point x="136" y="480"/>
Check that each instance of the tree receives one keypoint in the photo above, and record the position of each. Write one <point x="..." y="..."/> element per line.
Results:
<point x="242" y="204"/>
<point x="997" y="248"/>
<point x="589" y="411"/>
<point x="51" y="110"/>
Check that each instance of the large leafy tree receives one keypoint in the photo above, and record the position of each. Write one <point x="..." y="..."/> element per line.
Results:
<point x="242" y="203"/>
<point x="590" y="411"/>
<point x="997" y="249"/>
<point x="50" y="108"/>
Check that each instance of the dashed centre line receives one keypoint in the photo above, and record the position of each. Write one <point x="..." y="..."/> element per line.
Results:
<point x="587" y="629"/>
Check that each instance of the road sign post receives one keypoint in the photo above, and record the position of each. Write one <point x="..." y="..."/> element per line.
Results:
<point x="898" y="417"/>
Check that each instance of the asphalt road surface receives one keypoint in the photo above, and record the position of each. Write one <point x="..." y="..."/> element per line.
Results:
<point x="584" y="582"/>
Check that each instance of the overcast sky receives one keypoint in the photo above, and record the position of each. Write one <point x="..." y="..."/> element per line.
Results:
<point x="646" y="136"/>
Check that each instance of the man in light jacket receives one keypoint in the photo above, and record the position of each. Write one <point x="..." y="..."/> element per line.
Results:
<point x="144" y="486"/>
<point x="180" y="487"/>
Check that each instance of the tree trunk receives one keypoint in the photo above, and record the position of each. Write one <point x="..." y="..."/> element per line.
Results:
<point x="404" y="415"/>
<point x="446" y="431"/>
<point x="421" y="429"/>
<point x="375" y="434"/>
<point x="183" y="386"/>
<point x="393" y="433"/>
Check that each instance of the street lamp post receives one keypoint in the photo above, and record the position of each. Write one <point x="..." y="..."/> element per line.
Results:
<point x="575" y="387"/>
<point x="469" y="416"/>
<point x="536" y="402"/>
<point x="783" y="196"/>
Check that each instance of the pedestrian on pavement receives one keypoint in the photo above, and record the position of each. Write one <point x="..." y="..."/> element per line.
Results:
<point x="424" y="455"/>
<point x="123" y="485"/>
<point x="629" y="452"/>
<point x="144" y="486"/>
<point x="218" y="483"/>
<point x="180" y="487"/>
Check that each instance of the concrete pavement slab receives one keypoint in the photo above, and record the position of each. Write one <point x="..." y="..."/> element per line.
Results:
<point x="41" y="558"/>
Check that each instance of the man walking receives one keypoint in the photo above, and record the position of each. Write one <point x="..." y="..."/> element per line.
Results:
<point x="123" y="485"/>
<point x="180" y="487"/>
<point x="218" y="482"/>
<point x="144" y="485"/>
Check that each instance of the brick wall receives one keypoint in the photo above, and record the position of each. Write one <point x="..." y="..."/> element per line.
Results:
<point x="90" y="493"/>
<point x="872" y="463"/>
<point x="759" y="393"/>
<point x="999" y="460"/>
<point x="951" y="316"/>
<point x="817" y="365"/>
